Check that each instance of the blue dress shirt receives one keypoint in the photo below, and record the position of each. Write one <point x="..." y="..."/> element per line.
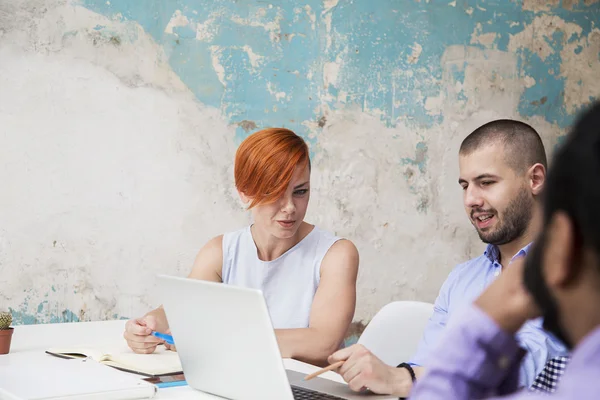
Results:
<point x="464" y="284"/>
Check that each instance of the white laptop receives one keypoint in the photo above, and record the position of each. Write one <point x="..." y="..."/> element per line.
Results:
<point x="227" y="345"/>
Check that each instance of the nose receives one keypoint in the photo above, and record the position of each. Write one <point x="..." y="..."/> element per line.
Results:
<point x="287" y="205"/>
<point x="473" y="198"/>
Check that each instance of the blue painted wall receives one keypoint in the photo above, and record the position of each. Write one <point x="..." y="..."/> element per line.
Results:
<point x="296" y="64"/>
<point x="373" y="40"/>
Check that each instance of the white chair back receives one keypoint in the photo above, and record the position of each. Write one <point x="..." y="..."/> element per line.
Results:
<point x="394" y="333"/>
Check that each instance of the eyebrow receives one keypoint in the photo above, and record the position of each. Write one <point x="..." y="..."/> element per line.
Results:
<point x="302" y="184"/>
<point x="479" y="177"/>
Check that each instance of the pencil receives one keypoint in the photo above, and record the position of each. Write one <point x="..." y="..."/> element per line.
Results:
<point x="322" y="371"/>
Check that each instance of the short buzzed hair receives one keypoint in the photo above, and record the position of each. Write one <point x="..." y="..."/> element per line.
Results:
<point x="523" y="145"/>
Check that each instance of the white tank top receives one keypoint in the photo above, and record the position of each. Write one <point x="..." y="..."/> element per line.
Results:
<point x="289" y="283"/>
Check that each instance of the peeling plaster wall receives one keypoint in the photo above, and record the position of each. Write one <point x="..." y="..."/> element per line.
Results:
<point x="119" y="121"/>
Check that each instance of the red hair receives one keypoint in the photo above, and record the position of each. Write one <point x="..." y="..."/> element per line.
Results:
<point x="265" y="163"/>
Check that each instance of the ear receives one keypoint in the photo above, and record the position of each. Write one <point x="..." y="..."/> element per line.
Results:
<point x="245" y="199"/>
<point x="536" y="176"/>
<point x="561" y="262"/>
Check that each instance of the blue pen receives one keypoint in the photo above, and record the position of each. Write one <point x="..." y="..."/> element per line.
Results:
<point x="167" y="338"/>
<point x="171" y="384"/>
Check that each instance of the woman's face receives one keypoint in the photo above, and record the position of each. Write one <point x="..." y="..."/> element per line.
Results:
<point x="283" y="217"/>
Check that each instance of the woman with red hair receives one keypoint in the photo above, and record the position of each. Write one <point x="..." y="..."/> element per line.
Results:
<point x="307" y="275"/>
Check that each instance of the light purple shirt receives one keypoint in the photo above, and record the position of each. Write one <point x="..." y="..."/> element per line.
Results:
<point x="475" y="359"/>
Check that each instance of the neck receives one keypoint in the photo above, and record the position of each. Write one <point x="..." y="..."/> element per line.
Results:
<point x="584" y="297"/>
<point x="270" y="247"/>
<point x="588" y="320"/>
<point x="508" y="250"/>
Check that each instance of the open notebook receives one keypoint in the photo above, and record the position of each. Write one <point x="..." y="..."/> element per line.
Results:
<point x="161" y="362"/>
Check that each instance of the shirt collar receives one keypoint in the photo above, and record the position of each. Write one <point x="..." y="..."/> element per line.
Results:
<point x="493" y="253"/>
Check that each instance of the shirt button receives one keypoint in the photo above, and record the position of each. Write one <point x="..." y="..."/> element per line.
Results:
<point x="497" y="272"/>
<point x="503" y="362"/>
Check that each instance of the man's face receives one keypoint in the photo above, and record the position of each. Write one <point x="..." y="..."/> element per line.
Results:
<point x="497" y="200"/>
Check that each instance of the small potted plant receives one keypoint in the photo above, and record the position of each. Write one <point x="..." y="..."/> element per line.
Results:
<point x="5" y="331"/>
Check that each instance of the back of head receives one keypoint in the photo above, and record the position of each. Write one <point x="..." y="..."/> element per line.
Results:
<point x="265" y="163"/>
<point x="573" y="183"/>
<point x="522" y="144"/>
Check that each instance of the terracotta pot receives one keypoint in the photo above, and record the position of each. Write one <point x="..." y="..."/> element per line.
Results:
<point x="5" y="337"/>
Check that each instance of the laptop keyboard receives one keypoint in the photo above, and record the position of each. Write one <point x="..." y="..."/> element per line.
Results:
<point x="306" y="394"/>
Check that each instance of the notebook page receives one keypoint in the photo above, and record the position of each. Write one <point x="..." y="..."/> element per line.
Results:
<point x="162" y="361"/>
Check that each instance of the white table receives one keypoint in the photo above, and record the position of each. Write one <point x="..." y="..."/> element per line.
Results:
<point x="33" y="340"/>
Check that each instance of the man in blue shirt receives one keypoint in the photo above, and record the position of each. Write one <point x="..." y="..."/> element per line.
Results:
<point x="478" y="357"/>
<point x="502" y="171"/>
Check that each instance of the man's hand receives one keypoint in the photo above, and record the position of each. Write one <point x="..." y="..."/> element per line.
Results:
<point x="507" y="301"/>
<point x="362" y="370"/>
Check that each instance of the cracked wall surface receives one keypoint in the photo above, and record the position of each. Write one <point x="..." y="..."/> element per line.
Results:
<point x="119" y="121"/>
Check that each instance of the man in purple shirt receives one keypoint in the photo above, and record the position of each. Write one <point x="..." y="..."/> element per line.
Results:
<point x="478" y="356"/>
<point x="502" y="172"/>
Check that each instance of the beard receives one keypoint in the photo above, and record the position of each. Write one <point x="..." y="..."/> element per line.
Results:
<point x="536" y="286"/>
<point x="512" y="223"/>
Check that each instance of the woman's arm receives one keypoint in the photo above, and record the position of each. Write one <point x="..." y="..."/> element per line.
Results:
<point x="332" y="309"/>
<point x="207" y="266"/>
